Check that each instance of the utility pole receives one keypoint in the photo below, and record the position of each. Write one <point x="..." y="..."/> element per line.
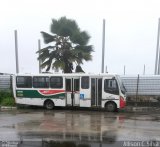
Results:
<point x="106" y="69"/>
<point x="144" y="69"/>
<point x="16" y="51"/>
<point x="157" y="62"/>
<point x="39" y="47"/>
<point x="103" y="45"/>
<point x="124" y="69"/>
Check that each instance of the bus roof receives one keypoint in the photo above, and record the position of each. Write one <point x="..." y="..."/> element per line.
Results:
<point x="68" y="74"/>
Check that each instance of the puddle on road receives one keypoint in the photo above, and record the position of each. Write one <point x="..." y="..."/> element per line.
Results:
<point x="10" y="127"/>
<point x="78" y="129"/>
<point x="78" y="144"/>
<point x="60" y="144"/>
<point x="145" y="118"/>
<point x="104" y="139"/>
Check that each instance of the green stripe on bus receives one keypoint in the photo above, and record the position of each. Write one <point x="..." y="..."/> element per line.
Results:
<point x="36" y="94"/>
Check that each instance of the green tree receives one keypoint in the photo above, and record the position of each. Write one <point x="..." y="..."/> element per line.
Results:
<point x="67" y="46"/>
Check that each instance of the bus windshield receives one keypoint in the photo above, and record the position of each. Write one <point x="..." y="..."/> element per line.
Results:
<point x="123" y="89"/>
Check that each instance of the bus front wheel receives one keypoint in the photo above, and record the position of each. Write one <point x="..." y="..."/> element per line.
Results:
<point x="48" y="104"/>
<point x="110" y="107"/>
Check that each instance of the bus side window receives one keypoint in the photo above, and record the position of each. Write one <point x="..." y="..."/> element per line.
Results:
<point x="40" y="82"/>
<point x="24" y="82"/>
<point x="56" y="82"/>
<point x="68" y="85"/>
<point x="85" y="82"/>
<point x="111" y="86"/>
<point x="76" y="84"/>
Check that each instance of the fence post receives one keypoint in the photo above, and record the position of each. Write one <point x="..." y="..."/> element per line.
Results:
<point x="137" y="89"/>
<point x="11" y="84"/>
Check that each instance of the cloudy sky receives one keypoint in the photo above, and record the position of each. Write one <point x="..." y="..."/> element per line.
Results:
<point x="131" y="32"/>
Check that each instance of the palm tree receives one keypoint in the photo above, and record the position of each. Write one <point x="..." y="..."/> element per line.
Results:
<point x="69" y="46"/>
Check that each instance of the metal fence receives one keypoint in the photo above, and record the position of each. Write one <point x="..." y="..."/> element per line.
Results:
<point x="142" y="89"/>
<point x="5" y="82"/>
<point x="142" y="85"/>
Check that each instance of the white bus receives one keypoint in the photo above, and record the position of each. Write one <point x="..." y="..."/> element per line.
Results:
<point x="76" y="90"/>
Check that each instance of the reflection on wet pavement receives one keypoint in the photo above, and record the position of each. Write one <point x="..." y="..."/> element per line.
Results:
<point x="77" y="128"/>
<point x="71" y="126"/>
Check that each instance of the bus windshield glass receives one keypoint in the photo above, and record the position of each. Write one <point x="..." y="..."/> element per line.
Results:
<point x="123" y="89"/>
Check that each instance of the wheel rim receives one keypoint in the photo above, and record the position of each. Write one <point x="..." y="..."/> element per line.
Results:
<point x="49" y="105"/>
<point x="110" y="107"/>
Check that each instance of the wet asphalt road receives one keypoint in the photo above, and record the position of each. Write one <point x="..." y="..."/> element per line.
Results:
<point x="70" y="125"/>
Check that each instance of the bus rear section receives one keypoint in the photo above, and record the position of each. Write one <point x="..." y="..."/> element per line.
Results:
<point x="69" y="90"/>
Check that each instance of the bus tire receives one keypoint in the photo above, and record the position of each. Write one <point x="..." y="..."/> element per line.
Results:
<point x="48" y="104"/>
<point x="111" y="106"/>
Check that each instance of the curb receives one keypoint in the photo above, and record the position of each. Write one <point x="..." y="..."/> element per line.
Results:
<point x="140" y="109"/>
<point x="7" y="108"/>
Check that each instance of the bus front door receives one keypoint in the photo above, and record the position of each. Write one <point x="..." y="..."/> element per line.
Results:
<point x="72" y="91"/>
<point x="96" y="92"/>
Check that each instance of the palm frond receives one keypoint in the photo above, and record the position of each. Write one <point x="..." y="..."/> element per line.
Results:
<point x="64" y="27"/>
<point x="44" y="55"/>
<point x="83" y="48"/>
<point x="47" y="37"/>
<point x="80" y="38"/>
<point x="46" y="63"/>
<point x="46" y="48"/>
<point x="58" y="64"/>
<point x="79" y="69"/>
<point x="87" y="57"/>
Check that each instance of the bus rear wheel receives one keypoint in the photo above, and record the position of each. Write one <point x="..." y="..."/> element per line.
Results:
<point x="110" y="107"/>
<point x="48" y="104"/>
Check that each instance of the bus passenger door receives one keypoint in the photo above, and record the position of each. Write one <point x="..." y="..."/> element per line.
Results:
<point x="76" y="90"/>
<point x="72" y="91"/>
<point x="96" y="92"/>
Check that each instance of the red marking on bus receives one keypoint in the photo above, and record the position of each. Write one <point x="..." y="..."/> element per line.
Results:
<point x="50" y="92"/>
<point x="122" y="102"/>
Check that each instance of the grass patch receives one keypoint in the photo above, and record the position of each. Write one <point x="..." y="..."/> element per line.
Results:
<point x="6" y="98"/>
